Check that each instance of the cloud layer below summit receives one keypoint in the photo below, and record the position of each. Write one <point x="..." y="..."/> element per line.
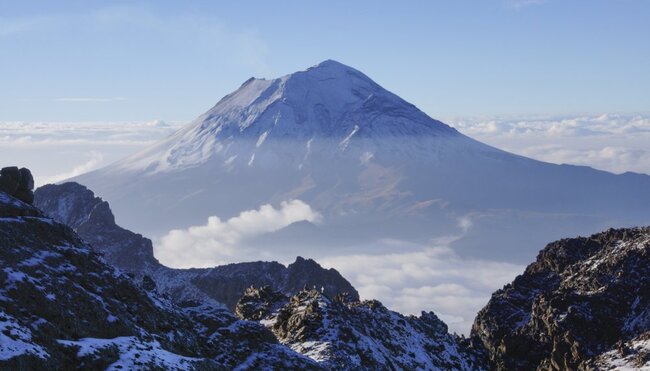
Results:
<point x="611" y="142"/>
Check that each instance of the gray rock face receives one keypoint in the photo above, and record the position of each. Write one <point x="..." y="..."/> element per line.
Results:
<point x="346" y="334"/>
<point x="63" y="307"/>
<point x="581" y="298"/>
<point x="91" y="217"/>
<point x="17" y="183"/>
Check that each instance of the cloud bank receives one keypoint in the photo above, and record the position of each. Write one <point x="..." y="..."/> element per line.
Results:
<point x="55" y="151"/>
<point x="90" y="99"/>
<point x="430" y="279"/>
<point x="220" y="242"/>
<point x="611" y="142"/>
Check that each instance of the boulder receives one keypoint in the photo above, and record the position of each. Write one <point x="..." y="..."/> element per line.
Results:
<point x="26" y="179"/>
<point x="18" y="183"/>
<point x="9" y="179"/>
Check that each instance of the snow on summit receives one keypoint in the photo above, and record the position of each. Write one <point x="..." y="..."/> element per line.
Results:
<point x="327" y="101"/>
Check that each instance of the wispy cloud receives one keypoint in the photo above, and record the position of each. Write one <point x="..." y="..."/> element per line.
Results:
<point x="239" y="45"/>
<point x="49" y="148"/>
<point x="518" y="4"/>
<point x="90" y="99"/>
<point x="94" y="160"/>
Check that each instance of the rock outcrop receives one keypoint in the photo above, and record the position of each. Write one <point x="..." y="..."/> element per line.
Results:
<point x="17" y="183"/>
<point x="584" y="302"/>
<point x="344" y="334"/>
<point x="63" y="307"/>
<point x="91" y="217"/>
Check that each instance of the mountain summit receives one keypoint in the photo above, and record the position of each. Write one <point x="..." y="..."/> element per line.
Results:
<point x="330" y="103"/>
<point x="373" y="165"/>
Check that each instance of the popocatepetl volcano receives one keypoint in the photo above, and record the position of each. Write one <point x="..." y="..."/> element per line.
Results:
<point x="373" y="165"/>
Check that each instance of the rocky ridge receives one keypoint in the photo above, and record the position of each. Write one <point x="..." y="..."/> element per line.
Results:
<point x="91" y="217"/>
<point x="63" y="307"/>
<point x="583" y="304"/>
<point x="340" y="333"/>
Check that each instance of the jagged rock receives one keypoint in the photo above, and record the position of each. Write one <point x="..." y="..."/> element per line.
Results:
<point x="630" y="355"/>
<point x="148" y="283"/>
<point x="256" y="304"/>
<point x="17" y="183"/>
<point x="345" y="334"/>
<point x="63" y="307"/>
<point x="91" y="217"/>
<point x="576" y="302"/>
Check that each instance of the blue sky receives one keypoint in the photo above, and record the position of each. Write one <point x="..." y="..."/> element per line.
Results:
<point x="144" y="60"/>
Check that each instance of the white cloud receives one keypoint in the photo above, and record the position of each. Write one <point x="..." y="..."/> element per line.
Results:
<point x="49" y="148"/>
<point x="220" y="242"/>
<point x="518" y="4"/>
<point x="429" y="279"/>
<point x="611" y="142"/>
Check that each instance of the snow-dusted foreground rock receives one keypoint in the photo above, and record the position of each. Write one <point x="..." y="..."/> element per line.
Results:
<point x="340" y="333"/>
<point x="584" y="304"/>
<point x="63" y="307"/>
<point x="631" y="355"/>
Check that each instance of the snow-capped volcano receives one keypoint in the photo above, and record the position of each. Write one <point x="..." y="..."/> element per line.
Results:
<point x="329" y="104"/>
<point x="373" y="165"/>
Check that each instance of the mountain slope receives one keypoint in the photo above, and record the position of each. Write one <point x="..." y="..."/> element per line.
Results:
<point x="91" y="217"/>
<point x="584" y="302"/>
<point x="365" y="159"/>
